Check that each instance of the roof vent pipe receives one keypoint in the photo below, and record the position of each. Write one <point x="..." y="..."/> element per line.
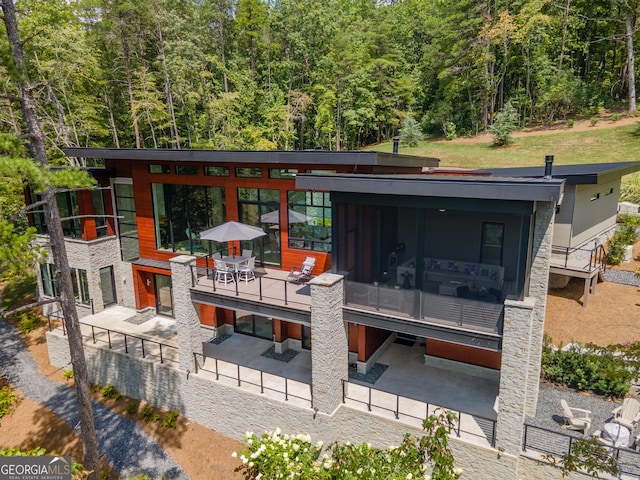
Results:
<point x="548" y="164"/>
<point x="396" y="142"/>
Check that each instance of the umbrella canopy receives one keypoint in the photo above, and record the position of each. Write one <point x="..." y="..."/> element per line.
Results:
<point x="230" y="231"/>
<point x="274" y="217"/>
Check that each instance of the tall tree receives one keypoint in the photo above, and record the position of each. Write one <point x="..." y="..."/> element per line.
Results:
<point x="56" y="236"/>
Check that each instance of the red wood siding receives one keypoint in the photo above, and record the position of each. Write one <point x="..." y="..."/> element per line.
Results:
<point x="463" y="353"/>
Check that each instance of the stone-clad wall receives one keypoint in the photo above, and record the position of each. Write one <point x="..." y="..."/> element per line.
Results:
<point x="233" y="411"/>
<point x="92" y="256"/>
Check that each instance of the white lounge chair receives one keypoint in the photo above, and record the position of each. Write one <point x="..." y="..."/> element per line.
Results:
<point x="302" y="274"/>
<point x="627" y="414"/>
<point x="575" y="418"/>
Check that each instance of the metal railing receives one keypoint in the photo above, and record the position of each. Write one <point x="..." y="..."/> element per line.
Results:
<point x="130" y="343"/>
<point x="484" y="314"/>
<point x="408" y="408"/>
<point x="278" y="289"/>
<point x="562" y="256"/>
<point x="247" y="376"/>
<point x="555" y="443"/>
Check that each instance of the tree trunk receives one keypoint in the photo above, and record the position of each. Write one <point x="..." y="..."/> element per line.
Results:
<point x="58" y="250"/>
<point x="127" y="69"/>
<point x="112" y="121"/>
<point x="167" y="90"/>
<point x="565" y="24"/>
<point x="631" y="69"/>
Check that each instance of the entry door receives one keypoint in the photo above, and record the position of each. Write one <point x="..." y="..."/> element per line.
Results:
<point x="164" y="295"/>
<point x="108" y="286"/>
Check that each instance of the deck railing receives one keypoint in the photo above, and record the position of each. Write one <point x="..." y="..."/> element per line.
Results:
<point x="555" y="443"/>
<point x="415" y="411"/>
<point x="131" y="344"/>
<point x="269" y="287"/>
<point x="579" y="258"/>
<point x="484" y="314"/>
<point x="252" y="377"/>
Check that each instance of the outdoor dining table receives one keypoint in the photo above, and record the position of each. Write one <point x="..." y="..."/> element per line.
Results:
<point x="235" y="261"/>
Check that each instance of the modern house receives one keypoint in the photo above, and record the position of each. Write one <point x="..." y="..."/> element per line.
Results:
<point x="456" y="263"/>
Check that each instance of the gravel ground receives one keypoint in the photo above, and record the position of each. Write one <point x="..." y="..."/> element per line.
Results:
<point x="126" y="446"/>
<point x="549" y="412"/>
<point x="623" y="277"/>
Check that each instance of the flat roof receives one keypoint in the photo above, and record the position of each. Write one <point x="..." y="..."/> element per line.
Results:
<point x="470" y="186"/>
<point x="305" y="157"/>
<point x="582" y="174"/>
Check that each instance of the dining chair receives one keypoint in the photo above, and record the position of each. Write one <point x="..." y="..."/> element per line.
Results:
<point x="246" y="270"/>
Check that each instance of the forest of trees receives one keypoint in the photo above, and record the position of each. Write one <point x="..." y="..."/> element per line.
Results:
<point x="299" y="74"/>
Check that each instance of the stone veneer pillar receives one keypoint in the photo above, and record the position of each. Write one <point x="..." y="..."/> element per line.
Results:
<point x="514" y="371"/>
<point x="538" y="289"/>
<point x="185" y="312"/>
<point x="329" y="347"/>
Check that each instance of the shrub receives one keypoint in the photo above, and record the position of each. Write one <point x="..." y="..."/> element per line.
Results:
<point x="411" y="132"/>
<point x="7" y="399"/>
<point x="169" y="419"/>
<point x="132" y="407"/>
<point x="570" y="123"/>
<point x="636" y="129"/>
<point x="449" y="129"/>
<point x="625" y="235"/>
<point x="615" y="117"/>
<point x="110" y="392"/>
<point x="628" y="220"/>
<point x="149" y="415"/>
<point x="28" y="321"/>
<point x="605" y="371"/>
<point x="594" y="121"/>
<point x="615" y="253"/>
<point x="502" y="129"/>
<point x="68" y="374"/>
<point x="274" y="455"/>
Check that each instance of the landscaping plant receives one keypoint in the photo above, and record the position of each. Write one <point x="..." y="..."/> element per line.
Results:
<point x="28" y="321"/>
<point x="606" y="371"/>
<point x="274" y="455"/>
<point x="110" y="392"/>
<point x="7" y="399"/>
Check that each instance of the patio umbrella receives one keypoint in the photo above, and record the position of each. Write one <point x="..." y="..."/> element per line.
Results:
<point x="274" y="217"/>
<point x="230" y="231"/>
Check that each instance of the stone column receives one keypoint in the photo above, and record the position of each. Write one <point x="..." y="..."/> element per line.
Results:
<point x="186" y="313"/>
<point x="538" y="289"/>
<point x="329" y="347"/>
<point x="514" y="372"/>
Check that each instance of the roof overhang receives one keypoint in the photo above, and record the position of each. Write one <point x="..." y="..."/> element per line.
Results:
<point x="582" y="174"/>
<point x="275" y="157"/>
<point x="470" y="187"/>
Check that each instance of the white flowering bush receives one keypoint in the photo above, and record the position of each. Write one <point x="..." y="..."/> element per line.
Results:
<point x="274" y="455"/>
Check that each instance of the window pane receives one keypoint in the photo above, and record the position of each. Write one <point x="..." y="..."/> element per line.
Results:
<point x="186" y="170"/>
<point x="46" y="279"/>
<point x="54" y="280"/>
<point x="287" y="173"/>
<point x="216" y="171"/>
<point x="74" y="281"/>
<point x="97" y="199"/>
<point x="84" y="287"/>
<point x="249" y="172"/>
<point x="310" y="220"/>
<point x="159" y="169"/>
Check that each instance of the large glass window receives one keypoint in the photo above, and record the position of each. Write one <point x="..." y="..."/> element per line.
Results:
<point x="102" y="229"/>
<point x="260" y="207"/>
<point x="255" y="325"/>
<point x="181" y="212"/>
<point x="127" y="222"/>
<point x="68" y="207"/>
<point x="309" y="220"/>
<point x="80" y="285"/>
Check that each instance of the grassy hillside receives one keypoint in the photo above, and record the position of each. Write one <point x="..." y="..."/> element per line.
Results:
<point x="591" y="145"/>
<point x="606" y="142"/>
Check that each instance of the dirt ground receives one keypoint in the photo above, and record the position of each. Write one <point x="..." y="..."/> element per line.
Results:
<point x="612" y="315"/>
<point x="201" y="452"/>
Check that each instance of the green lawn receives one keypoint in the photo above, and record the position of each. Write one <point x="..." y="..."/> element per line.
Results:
<point x="595" y="145"/>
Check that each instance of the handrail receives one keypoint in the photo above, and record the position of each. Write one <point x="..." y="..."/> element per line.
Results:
<point x="210" y="274"/>
<point x="487" y="425"/>
<point x="597" y="256"/>
<point x="126" y="336"/>
<point x="240" y="380"/>
<point x="556" y="443"/>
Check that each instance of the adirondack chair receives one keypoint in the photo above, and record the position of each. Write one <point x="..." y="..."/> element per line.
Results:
<point x="627" y="414"/>
<point x="575" y="418"/>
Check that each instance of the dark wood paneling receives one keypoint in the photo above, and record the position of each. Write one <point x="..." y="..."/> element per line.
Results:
<point x="463" y="353"/>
